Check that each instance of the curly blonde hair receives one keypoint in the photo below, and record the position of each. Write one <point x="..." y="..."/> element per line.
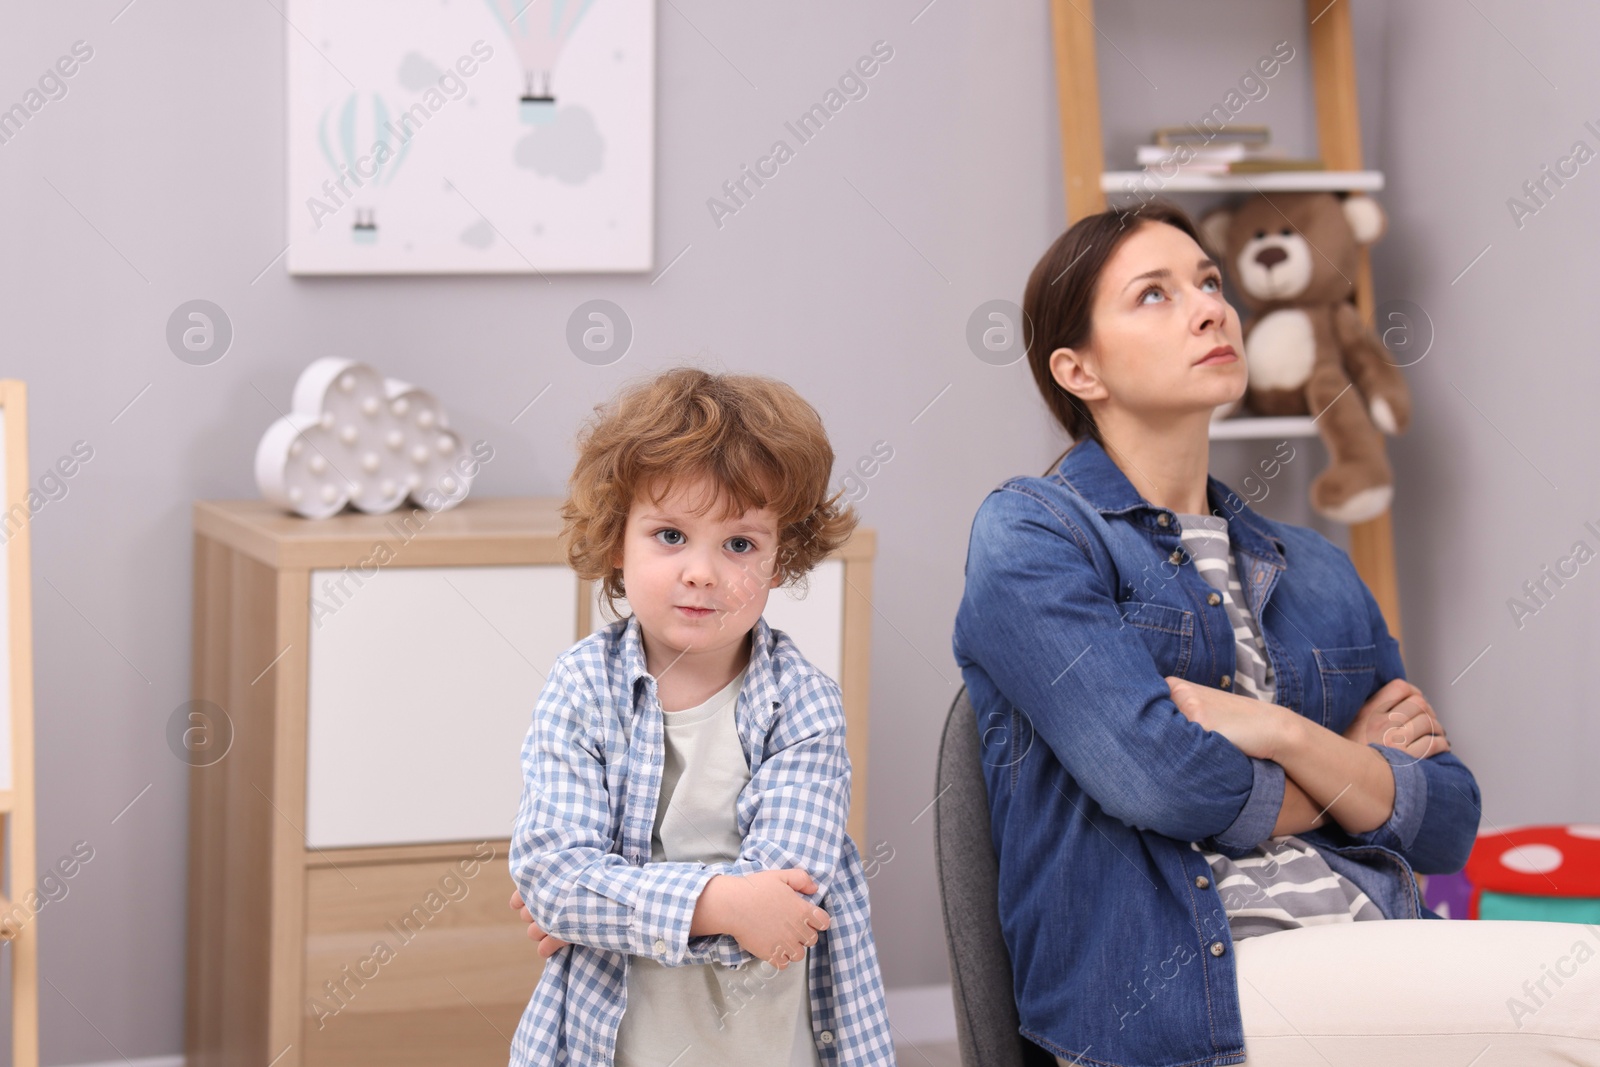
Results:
<point x="756" y="439"/>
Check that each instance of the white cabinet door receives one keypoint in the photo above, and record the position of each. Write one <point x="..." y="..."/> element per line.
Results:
<point x="422" y="686"/>
<point x="816" y="622"/>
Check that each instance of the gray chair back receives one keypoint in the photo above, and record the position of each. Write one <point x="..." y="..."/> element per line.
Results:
<point x="980" y="967"/>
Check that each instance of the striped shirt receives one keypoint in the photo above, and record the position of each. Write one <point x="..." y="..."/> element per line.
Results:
<point x="581" y="848"/>
<point x="1205" y="538"/>
<point x="1284" y="882"/>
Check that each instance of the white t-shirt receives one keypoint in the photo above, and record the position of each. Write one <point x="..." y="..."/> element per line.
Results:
<point x="705" y="1013"/>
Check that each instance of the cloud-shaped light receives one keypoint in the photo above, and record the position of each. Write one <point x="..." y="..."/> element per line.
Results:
<point x="355" y="437"/>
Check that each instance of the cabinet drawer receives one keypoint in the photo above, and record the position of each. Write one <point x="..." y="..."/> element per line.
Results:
<point x="422" y="683"/>
<point x="415" y="963"/>
<point x="816" y="622"/>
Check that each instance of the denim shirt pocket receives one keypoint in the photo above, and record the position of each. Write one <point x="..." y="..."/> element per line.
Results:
<point x="1167" y="631"/>
<point x="1346" y="675"/>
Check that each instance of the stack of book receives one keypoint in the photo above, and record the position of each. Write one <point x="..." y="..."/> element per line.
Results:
<point x="1231" y="150"/>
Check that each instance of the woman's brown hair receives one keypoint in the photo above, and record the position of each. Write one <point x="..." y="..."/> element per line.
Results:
<point x="757" y="440"/>
<point x="1058" y="303"/>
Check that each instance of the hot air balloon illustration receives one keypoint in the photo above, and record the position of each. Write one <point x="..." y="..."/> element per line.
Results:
<point x="538" y="30"/>
<point x="366" y="145"/>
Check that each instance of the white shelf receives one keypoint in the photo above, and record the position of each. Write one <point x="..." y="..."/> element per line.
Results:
<point x="1277" y="181"/>
<point x="1253" y="427"/>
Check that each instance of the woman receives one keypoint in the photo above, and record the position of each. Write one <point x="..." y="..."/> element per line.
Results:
<point x="1207" y="773"/>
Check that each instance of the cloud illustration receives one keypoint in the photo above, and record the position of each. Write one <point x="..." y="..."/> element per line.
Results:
<point x="417" y="72"/>
<point x="479" y="235"/>
<point x="355" y="437"/>
<point x="569" y="149"/>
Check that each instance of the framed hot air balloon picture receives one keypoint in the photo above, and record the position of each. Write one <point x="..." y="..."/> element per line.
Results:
<point x="470" y="136"/>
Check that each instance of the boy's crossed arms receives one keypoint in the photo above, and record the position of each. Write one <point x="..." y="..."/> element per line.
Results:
<point x="573" y="889"/>
<point x="765" y="908"/>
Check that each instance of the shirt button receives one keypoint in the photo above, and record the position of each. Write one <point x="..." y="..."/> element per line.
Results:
<point x="1213" y="599"/>
<point x="1162" y="520"/>
<point x="827" y="1037"/>
<point x="1202" y="882"/>
<point x="1218" y="948"/>
<point x="1176" y="557"/>
<point x="1225" y="682"/>
<point x="661" y="946"/>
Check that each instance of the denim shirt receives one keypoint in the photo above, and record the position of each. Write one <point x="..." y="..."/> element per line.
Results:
<point x="1079" y="601"/>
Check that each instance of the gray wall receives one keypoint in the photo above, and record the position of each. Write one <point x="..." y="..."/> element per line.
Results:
<point x="159" y="179"/>
<point x="1499" y="468"/>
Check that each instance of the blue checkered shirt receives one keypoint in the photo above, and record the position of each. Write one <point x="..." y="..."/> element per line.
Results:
<point x="580" y="849"/>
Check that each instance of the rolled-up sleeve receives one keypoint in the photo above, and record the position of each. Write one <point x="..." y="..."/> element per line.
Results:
<point x="1259" y="815"/>
<point x="1437" y="804"/>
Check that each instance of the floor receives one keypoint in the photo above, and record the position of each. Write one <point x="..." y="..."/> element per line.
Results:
<point x="939" y="1055"/>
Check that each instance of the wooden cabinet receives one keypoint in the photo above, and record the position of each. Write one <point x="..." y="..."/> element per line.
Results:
<point x="407" y="959"/>
<point x="420" y="689"/>
<point x="366" y="682"/>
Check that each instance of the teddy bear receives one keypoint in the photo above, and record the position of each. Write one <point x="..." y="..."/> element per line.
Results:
<point x="1292" y="258"/>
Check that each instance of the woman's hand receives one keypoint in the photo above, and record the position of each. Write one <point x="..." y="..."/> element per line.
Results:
<point x="1399" y="716"/>
<point x="548" y="945"/>
<point x="1255" y="727"/>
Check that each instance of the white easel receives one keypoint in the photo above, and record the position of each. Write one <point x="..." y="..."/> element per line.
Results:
<point x="16" y="726"/>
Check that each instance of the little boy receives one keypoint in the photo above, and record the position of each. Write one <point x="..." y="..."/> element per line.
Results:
<point x="685" y="778"/>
